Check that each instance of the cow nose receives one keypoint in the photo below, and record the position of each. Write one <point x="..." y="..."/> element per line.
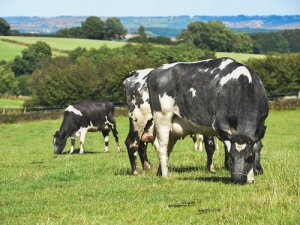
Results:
<point x="238" y="178"/>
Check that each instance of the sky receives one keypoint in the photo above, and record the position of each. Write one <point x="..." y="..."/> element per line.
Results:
<point x="120" y="8"/>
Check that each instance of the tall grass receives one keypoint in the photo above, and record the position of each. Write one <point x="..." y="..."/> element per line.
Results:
<point x="38" y="187"/>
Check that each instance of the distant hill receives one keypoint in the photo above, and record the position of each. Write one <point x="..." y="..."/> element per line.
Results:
<point x="164" y="26"/>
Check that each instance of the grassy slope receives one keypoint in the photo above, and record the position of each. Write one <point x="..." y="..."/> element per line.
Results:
<point x="7" y="103"/>
<point x="8" y="51"/>
<point x="38" y="187"/>
<point x="71" y="43"/>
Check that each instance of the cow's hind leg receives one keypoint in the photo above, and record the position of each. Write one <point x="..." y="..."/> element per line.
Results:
<point x="115" y="134"/>
<point x="172" y="142"/>
<point x="105" y="134"/>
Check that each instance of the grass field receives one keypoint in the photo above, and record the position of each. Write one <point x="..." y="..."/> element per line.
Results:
<point x="8" y="50"/>
<point x="8" y="103"/>
<point x="38" y="187"/>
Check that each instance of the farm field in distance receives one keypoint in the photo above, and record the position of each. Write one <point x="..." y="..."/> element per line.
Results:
<point x="9" y="51"/>
<point x="38" y="187"/>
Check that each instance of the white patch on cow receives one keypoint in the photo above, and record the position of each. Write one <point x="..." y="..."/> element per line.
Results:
<point x="228" y="145"/>
<point x="250" y="177"/>
<point x="193" y="91"/>
<point x="167" y="66"/>
<point x="225" y="63"/>
<point x="239" y="71"/>
<point x="240" y="147"/>
<point x="70" y="108"/>
<point x="109" y="123"/>
<point x="142" y="74"/>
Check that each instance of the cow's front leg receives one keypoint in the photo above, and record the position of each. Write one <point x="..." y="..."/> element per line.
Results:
<point x="132" y="147"/>
<point x="82" y="138"/>
<point x="142" y="150"/>
<point x="72" y="145"/>
<point x="210" y="149"/>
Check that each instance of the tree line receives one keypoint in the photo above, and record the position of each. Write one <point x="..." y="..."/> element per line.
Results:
<point x="211" y="35"/>
<point x="97" y="74"/>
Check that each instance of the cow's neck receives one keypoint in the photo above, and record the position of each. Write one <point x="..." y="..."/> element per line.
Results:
<point x="67" y="129"/>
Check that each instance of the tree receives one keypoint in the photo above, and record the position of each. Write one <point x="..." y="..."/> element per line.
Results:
<point x="242" y="42"/>
<point x="4" y="27"/>
<point x="213" y="35"/>
<point x="93" y="28"/>
<point x="114" y="29"/>
<point x="8" y="83"/>
<point x="142" y="33"/>
<point x="30" y="58"/>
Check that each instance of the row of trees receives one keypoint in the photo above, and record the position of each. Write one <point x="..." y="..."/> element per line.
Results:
<point x="214" y="36"/>
<point x="99" y="73"/>
<point x="211" y="35"/>
<point x="94" y="28"/>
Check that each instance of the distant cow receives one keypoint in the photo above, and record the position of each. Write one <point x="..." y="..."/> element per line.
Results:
<point x="141" y="124"/>
<point x="215" y="97"/>
<point x="84" y="117"/>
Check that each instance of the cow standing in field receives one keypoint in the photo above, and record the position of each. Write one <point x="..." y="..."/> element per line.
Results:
<point x="84" y="117"/>
<point x="141" y="122"/>
<point x="215" y="97"/>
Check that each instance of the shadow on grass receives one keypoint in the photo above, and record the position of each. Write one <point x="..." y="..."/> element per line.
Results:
<point x="215" y="179"/>
<point x="76" y="151"/>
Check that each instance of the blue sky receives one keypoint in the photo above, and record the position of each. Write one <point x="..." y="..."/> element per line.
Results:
<point x="118" y="8"/>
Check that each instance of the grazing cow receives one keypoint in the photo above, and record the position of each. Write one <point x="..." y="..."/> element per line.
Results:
<point x="140" y="117"/>
<point x="84" y="117"/>
<point x="140" y="121"/>
<point x="215" y="97"/>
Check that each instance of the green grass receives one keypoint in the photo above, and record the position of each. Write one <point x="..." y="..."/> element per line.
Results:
<point x="9" y="103"/>
<point x="38" y="187"/>
<point x="66" y="43"/>
<point x="8" y="51"/>
<point x="241" y="57"/>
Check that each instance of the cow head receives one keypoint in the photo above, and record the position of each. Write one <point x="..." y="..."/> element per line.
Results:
<point x="59" y="142"/>
<point x="241" y="149"/>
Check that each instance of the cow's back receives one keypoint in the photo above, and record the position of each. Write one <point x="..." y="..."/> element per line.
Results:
<point x="202" y="91"/>
<point x="95" y="112"/>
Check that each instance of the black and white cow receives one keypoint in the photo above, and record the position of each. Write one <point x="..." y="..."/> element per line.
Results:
<point x="83" y="117"/>
<point x="141" y="122"/>
<point x="215" y="97"/>
<point x="140" y="117"/>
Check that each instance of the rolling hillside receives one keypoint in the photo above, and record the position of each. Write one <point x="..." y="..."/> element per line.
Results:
<point x="8" y="50"/>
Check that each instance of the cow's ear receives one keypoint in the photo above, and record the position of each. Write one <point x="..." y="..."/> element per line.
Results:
<point x="225" y="135"/>
<point x="260" y="134"/>
<point x="56" y="133"/>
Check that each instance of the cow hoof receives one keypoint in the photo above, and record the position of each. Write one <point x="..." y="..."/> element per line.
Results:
<point x="106" y="151"/>
<point x="135" y="172"/>
<point x="147" y="166"/>
<point x="81" y="152"/>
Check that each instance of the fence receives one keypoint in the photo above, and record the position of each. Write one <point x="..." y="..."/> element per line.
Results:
<point x="13" y="115"/>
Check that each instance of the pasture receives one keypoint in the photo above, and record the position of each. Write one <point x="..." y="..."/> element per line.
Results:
<point x="9" y="50"/>
<point x="9" y="103"/>
<point x="38" y="187"/>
